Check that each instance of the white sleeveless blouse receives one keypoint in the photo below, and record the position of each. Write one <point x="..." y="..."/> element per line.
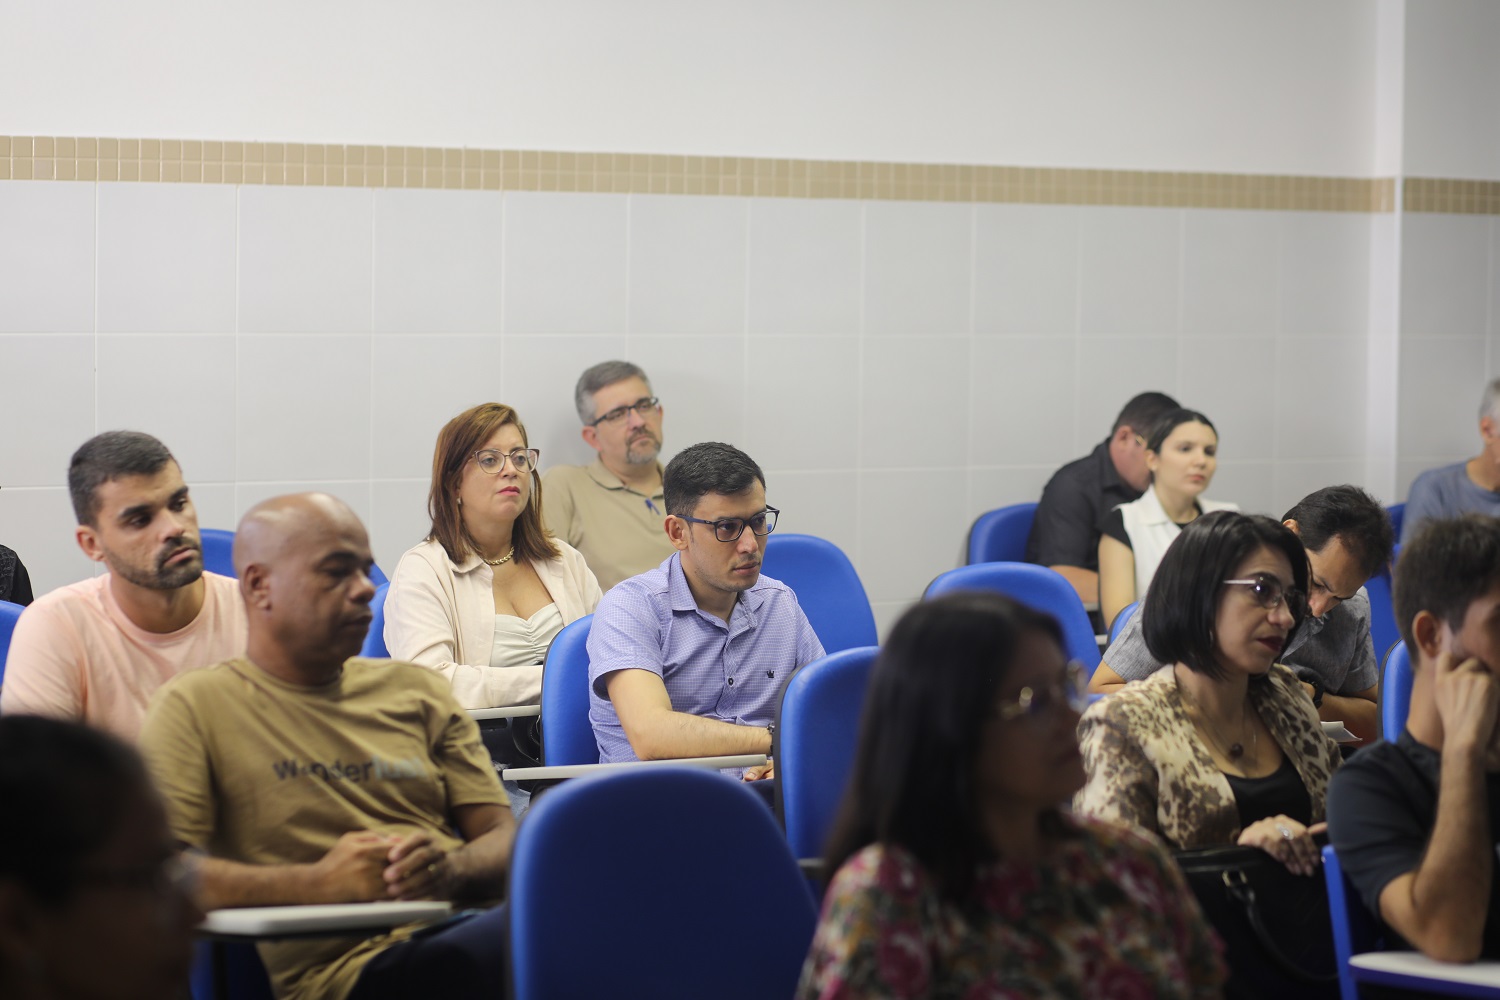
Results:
<point x="523" y="642"/>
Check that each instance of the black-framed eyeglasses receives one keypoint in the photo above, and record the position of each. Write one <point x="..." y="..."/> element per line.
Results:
<point x="643" y="406"/>
<point x="1070" y="690"/>
<point x="491" y="461"/>
<point x="729" y="529"/>
<point x="1268" y="591"/>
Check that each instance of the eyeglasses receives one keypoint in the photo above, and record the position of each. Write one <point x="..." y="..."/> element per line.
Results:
<point x="1268" y="592"/>
<point x="491" y="461"/>
<point x="1071" y="690"/>
<point x="729" y="529"/>
<point x="643" y="406"/>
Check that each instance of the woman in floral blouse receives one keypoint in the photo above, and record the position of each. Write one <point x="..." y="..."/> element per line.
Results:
<point x="958" y="874"/>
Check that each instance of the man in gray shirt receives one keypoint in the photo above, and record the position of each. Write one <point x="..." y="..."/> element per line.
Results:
<point x="1472" y="486"/>
<point x="1348" y="538"/>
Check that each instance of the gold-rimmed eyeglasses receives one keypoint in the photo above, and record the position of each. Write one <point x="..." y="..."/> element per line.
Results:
<point x="491" y="462"/>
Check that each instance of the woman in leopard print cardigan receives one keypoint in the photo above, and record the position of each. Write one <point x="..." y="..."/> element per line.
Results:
<point x="1222" y="745"/>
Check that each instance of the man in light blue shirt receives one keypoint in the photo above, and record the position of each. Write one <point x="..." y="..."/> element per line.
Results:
<point x="688" y="659"/>
<point x="1466" y="487"/>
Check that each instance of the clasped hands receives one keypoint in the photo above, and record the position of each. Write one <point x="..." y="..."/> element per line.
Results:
<point x="365" y="866"/>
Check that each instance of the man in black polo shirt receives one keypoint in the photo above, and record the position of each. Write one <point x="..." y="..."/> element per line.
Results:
<point x="1417" y="822"/>
<point x="1065" y="534"/>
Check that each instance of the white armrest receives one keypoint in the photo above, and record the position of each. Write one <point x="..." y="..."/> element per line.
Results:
<point x="559" y="771"/>
<point x="322" y="918"/>
<point x="509" y="712"/>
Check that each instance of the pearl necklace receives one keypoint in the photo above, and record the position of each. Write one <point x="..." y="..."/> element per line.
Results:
<point x="502" y="560"/>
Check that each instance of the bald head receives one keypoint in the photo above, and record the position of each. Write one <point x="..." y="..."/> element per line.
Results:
<point x="303" y="561"/>
<point x="284" y="524"/>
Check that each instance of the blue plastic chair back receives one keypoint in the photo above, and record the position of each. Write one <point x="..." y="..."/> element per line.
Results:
<point x="1037" y="587"/>
<point x="1355" y="930"/>
<point x="375" y="639"/>
<point x="218" y="554"/>
<point x="1122" y="619"/>
<point x="1397" y="512"/>
<point x="9" y="614"/>
<point x="1000" y="535"/>
<point x="697" y="894"/>
<point x="1383" y="631"/>
<point x="1395" y="692"/>
<point x="218" y="550"/>
<point x="567" y="735"/>
<point x="827" y="588"/>
<point x="817" y="731"/>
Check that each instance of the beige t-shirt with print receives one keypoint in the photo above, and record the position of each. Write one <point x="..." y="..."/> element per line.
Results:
<point x="260" y="771"/>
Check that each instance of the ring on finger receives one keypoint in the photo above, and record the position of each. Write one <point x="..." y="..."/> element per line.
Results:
<point x="1285" y="831"/>
<point x="432" y="868"/>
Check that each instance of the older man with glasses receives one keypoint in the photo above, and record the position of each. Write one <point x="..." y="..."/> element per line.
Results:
<point x="611" y="510"/>
<point x="687" y="660"/>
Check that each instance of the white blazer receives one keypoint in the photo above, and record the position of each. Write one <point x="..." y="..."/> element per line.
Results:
<point x="1151" y="531"/>
<point x="441" y="615"/>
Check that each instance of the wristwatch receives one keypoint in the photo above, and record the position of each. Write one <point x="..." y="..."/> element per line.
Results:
<point x="771" y="730"/>
<point x="1318" y="689"/>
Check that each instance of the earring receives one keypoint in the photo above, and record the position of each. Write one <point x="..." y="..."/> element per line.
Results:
<point x="460" y="501"/>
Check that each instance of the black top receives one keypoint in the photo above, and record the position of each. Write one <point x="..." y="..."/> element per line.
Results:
<point x="1066" y="529"/>
<point x="1280" y="793"/>
<point x="1382" y="806"/>
<point x="15" y="585"/>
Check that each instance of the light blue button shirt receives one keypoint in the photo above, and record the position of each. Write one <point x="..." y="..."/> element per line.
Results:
<point x="730" y="671"/>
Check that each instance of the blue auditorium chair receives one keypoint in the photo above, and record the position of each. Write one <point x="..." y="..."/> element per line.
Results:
<point x="817" y="729"/>
<point x="1395" y="692"/>
<point x="1000" y="535"/>
<point x="1122" y="619"/>
<point x="567" y="736"/>
<point x="668" y="882"/>
<point x="1037" y="587"/>
<point x="1355" y="930"/>
<point x="827" y="587"/>
<point x="9" y="613"/>
<point x="375" y="639"/>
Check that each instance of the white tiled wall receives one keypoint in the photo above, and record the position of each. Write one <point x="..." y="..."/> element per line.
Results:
<point x="897" y="368"/>
<point x="1450" y="330"/>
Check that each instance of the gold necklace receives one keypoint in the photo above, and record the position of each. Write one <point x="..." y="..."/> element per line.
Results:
<point x="502" y="560"/>
<point x="1234" y="751"/>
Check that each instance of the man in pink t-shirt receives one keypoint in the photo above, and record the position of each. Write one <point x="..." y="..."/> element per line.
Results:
<point x="97" y="651"/>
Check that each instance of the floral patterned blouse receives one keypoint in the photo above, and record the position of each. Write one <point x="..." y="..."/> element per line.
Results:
<point x="1107" y="917"/>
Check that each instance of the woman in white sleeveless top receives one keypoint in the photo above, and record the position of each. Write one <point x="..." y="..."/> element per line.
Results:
<point x="1182" y="453"/>
<point x="480" y="600"/>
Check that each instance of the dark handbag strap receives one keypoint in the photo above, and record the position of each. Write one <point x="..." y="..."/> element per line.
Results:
<point x="1239" y="889"/>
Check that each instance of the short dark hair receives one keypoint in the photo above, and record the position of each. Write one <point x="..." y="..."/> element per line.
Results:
<point x="710" y="467"/>
<point x="1182" y="603"/>
<point x="1143" y="411"/>
<point x="915" y="781"/>
<point x="1446" y="566"/>
<point x="108" y="456"/>
<point x="1170" y="421"/>
<point x="65" y="787"/>
<point x="1351" y="515"/>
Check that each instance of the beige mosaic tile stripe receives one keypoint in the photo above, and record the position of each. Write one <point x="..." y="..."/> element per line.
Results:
<point x="1459" y="197"/>
<point x="195" y="161"/>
